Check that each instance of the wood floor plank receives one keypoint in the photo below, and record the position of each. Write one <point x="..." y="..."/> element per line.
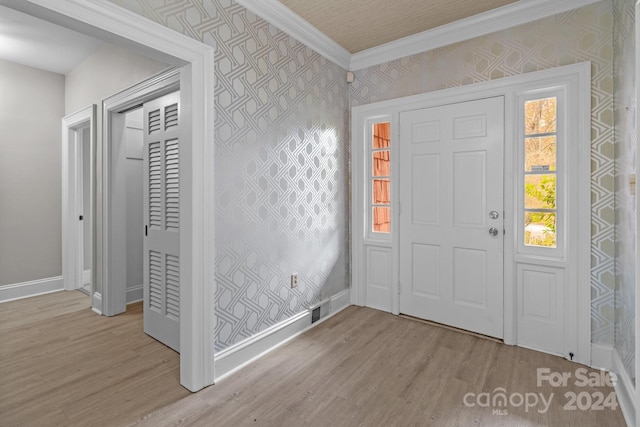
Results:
<point x="63" y="365"/>
<point x="361" y="367"/>
<point x="374" y="370"/>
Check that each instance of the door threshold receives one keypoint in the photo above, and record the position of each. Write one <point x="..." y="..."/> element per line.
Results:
<point x="452" y="328"/>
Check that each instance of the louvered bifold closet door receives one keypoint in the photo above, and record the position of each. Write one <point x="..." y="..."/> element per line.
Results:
<point x="162" y="220"/>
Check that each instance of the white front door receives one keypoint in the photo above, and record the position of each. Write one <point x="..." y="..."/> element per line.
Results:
<point x="161" y="275"/>
<point x="451" y="225"/>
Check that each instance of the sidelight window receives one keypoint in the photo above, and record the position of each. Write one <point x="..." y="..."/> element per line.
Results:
<point x="540" y="142"/>
<point x="380" y="179"/>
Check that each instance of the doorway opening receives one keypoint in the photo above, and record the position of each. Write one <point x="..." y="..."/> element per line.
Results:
<point x="134" y="223"/>
<point x="84" y="182"/>
<point x="142" y="203"/>
<point x="78" y="141"/>
<point x="110" y="22"/>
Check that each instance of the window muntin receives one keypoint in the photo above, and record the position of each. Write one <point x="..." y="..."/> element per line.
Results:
<point x="380" y="179"/>
<point x="540" y="172"/>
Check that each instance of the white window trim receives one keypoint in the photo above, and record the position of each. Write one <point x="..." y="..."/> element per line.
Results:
<point x="562" y="108"/>
<point x="369" y="234"/>
<point x="577" y="79"/>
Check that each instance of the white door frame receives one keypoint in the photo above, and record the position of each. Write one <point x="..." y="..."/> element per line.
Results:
<point x="114" y="242"/>
<point x="107" y="21"/>
<point x="578" y="77"/>
<point x="72" y="199"/>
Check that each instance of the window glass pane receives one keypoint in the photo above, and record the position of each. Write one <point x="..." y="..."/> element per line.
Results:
<point x="381" y="135"/>
<point x="540" y="191"/>
<point x="382" y="219"/>
<point x="540" y="154"/>
<point x="540" y="116"/>
<point x="381" y="191"/>
<point x="540" y="229"/>
<point x="381" y="187"/>
<point x="381" y="165"/>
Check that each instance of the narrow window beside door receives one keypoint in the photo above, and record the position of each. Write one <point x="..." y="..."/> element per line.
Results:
<point x="381" y="178"/>
<point x="540" y="172"/>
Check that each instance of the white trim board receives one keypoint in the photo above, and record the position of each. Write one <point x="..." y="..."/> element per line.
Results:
<point x="601" y="356"/>
<point x="134" y="294"/>
<point x="96" y="302"/>
<point x="110" y="22"/>
<point x="504" y="17"/>
<point x="31" y="288"/>
<point x="300" y="29"/>
<point x="625" y="391"/>
<point x="607" y="358"/>
<point x="230" y="360"/>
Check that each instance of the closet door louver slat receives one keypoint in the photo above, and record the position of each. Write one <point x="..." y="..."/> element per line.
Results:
<point x="162" y="216"/>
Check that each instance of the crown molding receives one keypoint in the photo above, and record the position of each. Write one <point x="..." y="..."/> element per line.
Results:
<point x="291" y="23"/>
<point x="508" y="16"/>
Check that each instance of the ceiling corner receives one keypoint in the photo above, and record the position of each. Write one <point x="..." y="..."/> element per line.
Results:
<point x="291" y="23"/>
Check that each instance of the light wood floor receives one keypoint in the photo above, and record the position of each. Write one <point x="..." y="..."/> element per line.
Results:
<point x="361" y="367"/>
<point x="63" y="365"/>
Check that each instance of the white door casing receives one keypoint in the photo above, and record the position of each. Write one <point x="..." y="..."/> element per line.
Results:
<point x="72" y="192"/>
<point x="451" y="267"/>
<point x="161" y="259"/>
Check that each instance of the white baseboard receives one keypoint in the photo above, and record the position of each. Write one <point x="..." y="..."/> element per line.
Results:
<point x="96" y="302"/>
<point x="134" y="294"/>
<point x="602" y="356"/>
<point x="30" y="289"/>
<point x="340" y="301"/>
<point x="625" y="391"/>
<point x="239" y="355"/>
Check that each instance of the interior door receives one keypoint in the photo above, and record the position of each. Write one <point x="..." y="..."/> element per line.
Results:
<point x="451" y="225"/>
<point x="161" y="275"/>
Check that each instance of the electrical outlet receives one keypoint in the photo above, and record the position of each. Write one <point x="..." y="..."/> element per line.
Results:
<point x="294" y="280"/>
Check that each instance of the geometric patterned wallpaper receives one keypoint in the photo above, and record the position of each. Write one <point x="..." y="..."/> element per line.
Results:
<point x="576" y="36"/>
<point x="280" y="165"/>
<point x="281" y="147"/>
<point x="626" y="145"/>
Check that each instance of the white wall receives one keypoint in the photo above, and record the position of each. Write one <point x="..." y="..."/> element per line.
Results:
<point x="134" y="142"/>
<point x="31" y="109"/>
<point x="106" y="72"/>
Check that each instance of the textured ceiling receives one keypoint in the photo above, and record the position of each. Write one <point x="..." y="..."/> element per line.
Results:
<point x="360" y="24"/>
